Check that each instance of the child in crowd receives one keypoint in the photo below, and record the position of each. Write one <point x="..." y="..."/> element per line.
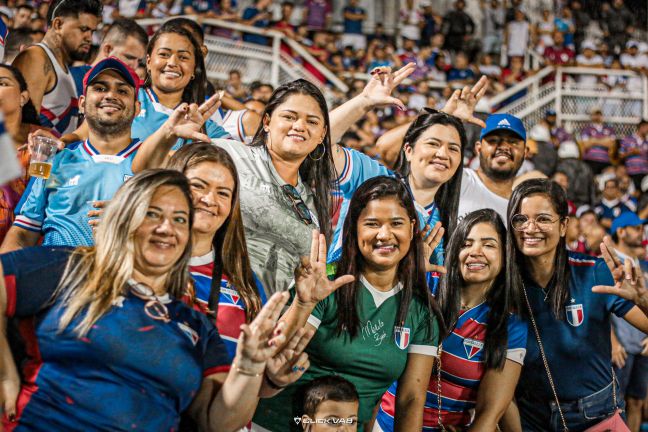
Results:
<point x="330" y="402"/>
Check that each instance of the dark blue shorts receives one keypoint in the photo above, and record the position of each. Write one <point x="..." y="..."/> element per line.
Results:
<point x="543" y="416"/>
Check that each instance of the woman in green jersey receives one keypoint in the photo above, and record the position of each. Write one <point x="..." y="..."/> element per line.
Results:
<point x="381" y="325"/>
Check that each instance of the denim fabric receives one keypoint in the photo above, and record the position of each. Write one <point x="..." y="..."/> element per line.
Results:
<point x="543" y="416"/>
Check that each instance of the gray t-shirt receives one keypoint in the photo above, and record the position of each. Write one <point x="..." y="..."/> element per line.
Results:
<point x="276" y="236"/>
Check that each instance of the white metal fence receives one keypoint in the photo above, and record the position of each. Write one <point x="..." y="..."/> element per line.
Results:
<point x="257" y="62"/>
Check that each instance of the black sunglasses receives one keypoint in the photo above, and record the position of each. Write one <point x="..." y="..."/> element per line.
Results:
<point x="300" y="208"/>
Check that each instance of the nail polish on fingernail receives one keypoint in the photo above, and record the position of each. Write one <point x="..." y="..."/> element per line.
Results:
<point x="295" y="369"/>
<point x="12" y="417"/>
<point x="302" y="368"/>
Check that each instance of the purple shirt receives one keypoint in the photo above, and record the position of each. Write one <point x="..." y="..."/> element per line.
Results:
<point x="561" y="134"/>
<point x="597" y="153"/>
<point x="317" y="12"/>
<point x="638" y="163"/>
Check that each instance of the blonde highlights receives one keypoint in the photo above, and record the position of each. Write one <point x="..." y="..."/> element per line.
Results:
<point x="96" y="276"/>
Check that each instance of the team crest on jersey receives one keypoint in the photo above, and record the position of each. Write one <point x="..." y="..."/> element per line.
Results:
<point x="472" y="347"/>
<point x="233" y="295"/>
<point x="402" y="337"/>
<point x="191" y="333"/>
<point x="575" y="315"/>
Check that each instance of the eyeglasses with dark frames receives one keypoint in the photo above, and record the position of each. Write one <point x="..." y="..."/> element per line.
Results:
<point x="299" y="206"/>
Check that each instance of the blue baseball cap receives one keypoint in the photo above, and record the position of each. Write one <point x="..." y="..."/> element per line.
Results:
<point x="626" y="219"/>
<point x="509" y="122"/>
<point x="112" y="63"/>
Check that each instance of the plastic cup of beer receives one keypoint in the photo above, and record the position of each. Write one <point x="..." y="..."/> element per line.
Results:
<point x="43" y="150"/>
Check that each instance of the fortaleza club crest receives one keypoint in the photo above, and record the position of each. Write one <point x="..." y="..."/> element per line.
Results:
<point x="575" y="315"/>
<point x="402" y="337"/>
<point x="472" y="347"/>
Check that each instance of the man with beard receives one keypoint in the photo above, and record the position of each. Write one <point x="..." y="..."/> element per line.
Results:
<point x="45" y="66"/>
<point x="87" y="173"/>
<point x="629" y="345"/>
<point x="501" y="150"/>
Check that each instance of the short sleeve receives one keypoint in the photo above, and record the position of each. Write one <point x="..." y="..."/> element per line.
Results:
<point x="215" y="358"/>
<point x="30" y="211"/>
<point x="613" y="304"/>
<point x="214" y="130"/>
<point x="425" y="339"/>
<point x="358" y="168"/>
<point x="318" y="314"/>
<point x="28" y="289"/>
<point x="517" y="339"/>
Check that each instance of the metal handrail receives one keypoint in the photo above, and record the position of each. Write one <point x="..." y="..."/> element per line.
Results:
<point x="522" y="85"/>
<point x="277" y="36"/>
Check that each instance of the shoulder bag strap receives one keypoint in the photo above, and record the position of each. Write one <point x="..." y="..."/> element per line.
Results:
<point x="544" y="359"/>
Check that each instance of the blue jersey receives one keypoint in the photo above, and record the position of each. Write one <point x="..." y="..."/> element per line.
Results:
<point x="231" y="308"/>
<point x="358" y="168"/>
<point x="58" y="207"/>
<point x="462" y="360"/>
<point x="4" y="32"/>
<point x="577" y="346"/>
<point x="129" y="372"/>
<point x="78" y="73"/>
<point x="153" y="115"/>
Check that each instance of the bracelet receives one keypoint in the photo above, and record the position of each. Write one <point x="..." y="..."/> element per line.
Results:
<point x="272" y="383"/>
<point x="247" y="372"/>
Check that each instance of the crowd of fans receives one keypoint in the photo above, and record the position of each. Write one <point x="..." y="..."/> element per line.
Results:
<point x="194" y="203"/>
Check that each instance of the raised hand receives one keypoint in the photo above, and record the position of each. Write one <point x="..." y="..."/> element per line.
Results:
<point x="628" y="280"/>
<point x="187" y="119"/>
<point x="311" y="282"/>
<point x="259" y="340"/>
<point x="462" y="102"/>
<point x="432" y="236"/>
<point x="289" y="364"/>
<point x="379" y="88"/>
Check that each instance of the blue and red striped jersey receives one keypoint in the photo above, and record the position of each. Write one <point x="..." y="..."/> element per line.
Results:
<point x="462" y="368"/>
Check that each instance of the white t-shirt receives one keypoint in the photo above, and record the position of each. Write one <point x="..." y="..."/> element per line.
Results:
<point x="588" y="81"/>
<point x="518" y="38"/>
<point x="637" y="61"/>
<point x="476" y="196"/>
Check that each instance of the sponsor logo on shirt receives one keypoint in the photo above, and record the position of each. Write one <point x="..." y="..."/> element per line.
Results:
<point x="191" y="333"/>
<point x="74" y="181"/>
<point x="575" y="314"/>
<point x="472" y="347"/>
<point x="402" y="337"/>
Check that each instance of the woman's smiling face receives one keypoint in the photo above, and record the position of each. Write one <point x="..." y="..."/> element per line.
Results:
<point x="172" y="63"/>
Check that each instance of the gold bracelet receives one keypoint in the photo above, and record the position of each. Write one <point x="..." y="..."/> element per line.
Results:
<point x="248" y="372"/>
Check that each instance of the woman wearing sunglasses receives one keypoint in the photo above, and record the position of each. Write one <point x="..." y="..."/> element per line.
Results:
<point x="381" y="325"/>
<point x="108" y="343"/>
<point x="567" y="382"/>
<point x="481" y="359"/>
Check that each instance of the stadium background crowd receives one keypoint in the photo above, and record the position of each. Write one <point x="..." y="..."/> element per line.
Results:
<point x="603" y="170"/>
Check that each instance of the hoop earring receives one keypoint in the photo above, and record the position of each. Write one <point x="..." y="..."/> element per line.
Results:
<point x="321" y="156"/>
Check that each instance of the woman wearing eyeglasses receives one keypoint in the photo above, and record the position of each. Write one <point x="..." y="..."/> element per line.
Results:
<point x="567" y="381"/>
<point x="108" y="343"/>
<point x="381" y="325"/>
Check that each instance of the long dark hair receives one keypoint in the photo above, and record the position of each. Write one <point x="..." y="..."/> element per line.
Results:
<point x="317" y="172"/>
<point x="29" y="114"/>
<point x="447" y="197"/>
<point x="502" y="297"/>
<point x="195" y="90"/>
<point x="234" y="263"/>
<point x="411" y="269"/>
<point x="559" y="283"/>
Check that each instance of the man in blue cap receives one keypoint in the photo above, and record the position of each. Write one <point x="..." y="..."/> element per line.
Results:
<point x="629" y="345"/>
<point x="501" y="149"/>
<point x="87" y="173"/>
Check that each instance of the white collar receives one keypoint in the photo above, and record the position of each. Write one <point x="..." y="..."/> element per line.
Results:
<point x="380" y="297"/>
<point x="208" y="258"/>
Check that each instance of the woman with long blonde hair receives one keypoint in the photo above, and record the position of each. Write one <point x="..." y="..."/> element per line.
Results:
<point x="109" y="345"/>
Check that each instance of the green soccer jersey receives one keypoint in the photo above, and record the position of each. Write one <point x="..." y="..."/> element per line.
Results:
<point x="373" y="360"/>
